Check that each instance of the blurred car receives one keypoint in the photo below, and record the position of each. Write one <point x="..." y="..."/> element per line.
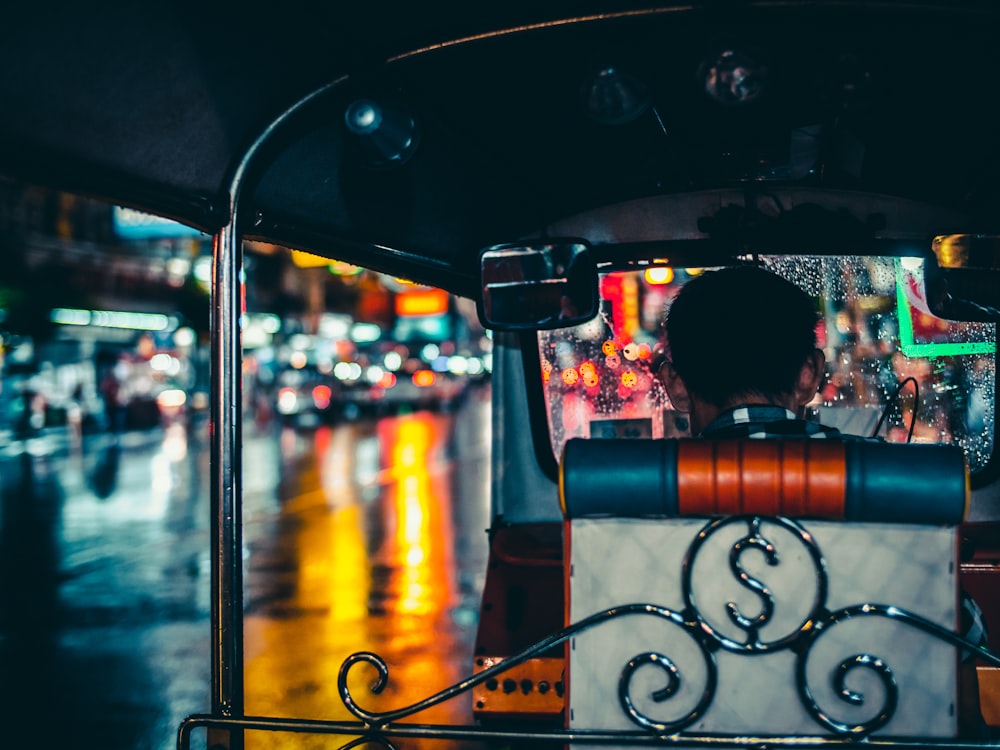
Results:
<point x="172" y="404"/>
<point x="423" y="388"/>
<point x="305" y="397"/>
<point x="140" y="393"/>
<point x="389" y="376"/>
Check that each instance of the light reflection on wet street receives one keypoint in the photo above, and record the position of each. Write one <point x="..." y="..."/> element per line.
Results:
<point x="367" y="535"/>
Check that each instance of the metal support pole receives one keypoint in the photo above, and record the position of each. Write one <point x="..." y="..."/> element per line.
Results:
<point x="227" y="482"/>
<point x="227" y="454"/>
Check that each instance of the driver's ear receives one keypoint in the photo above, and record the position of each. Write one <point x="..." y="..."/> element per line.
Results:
<point x="676" y="390"/>
<point x="810" y="377"/>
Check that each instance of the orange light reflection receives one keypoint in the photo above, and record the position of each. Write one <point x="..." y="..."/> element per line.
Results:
<point x="293" y="648"/>
<point x="421" y="559"/>
<point x="363" y="575"/>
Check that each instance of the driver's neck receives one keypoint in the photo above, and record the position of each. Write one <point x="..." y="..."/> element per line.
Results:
<point x="703" y="413"/>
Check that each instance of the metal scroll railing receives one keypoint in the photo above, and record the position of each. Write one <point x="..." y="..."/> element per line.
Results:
<point x="386" y="728"/>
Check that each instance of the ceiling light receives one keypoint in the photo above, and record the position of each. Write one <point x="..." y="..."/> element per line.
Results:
<point x="732" y="77"/>
<point x="387" y="136"/>
<point x="615" y="98"/>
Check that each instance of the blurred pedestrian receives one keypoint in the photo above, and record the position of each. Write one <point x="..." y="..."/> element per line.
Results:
<point x="110" y="393"/>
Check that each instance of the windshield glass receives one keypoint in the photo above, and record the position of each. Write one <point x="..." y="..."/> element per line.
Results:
<point x="885" y="351"/>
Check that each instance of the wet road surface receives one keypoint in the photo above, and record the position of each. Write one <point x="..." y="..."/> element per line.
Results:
<point x="361" y="536"/>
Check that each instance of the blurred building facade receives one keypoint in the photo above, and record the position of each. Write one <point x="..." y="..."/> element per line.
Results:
<point x="86" y="286"/>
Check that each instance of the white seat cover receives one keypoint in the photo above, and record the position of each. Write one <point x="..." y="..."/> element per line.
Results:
<point x="622" y="561"/>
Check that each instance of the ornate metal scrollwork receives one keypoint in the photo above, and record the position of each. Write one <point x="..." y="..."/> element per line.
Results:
<point x="377" y="728"/>
<point x="754" y="539"/>
<point x="673" y="685"/>
<point x="372" y="719"/>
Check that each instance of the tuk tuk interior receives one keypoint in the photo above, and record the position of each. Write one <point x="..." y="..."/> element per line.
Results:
<point x="849" y="147"/>
<point x="892" y="365"/>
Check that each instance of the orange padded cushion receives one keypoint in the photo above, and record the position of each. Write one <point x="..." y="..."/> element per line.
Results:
<point x="771" y="477"/>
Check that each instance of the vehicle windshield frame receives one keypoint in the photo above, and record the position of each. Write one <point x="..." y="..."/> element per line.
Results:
<point x="705" y="253"/>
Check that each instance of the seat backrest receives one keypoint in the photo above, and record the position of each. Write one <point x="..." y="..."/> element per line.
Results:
<point x="691" y="555"/>
<point x="857" y="480"/>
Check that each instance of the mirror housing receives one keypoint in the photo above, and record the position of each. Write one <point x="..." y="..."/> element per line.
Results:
<point x="961" y="277"/>
<point x="537" y="285"/>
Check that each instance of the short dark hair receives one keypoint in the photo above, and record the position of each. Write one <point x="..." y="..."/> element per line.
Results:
<point x="740" y="331"/>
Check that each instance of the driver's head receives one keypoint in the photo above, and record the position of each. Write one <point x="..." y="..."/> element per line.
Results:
<point x="743" y="335"/>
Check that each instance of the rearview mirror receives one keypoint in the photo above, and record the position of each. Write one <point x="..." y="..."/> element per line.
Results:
<point x="539" y="285"/>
